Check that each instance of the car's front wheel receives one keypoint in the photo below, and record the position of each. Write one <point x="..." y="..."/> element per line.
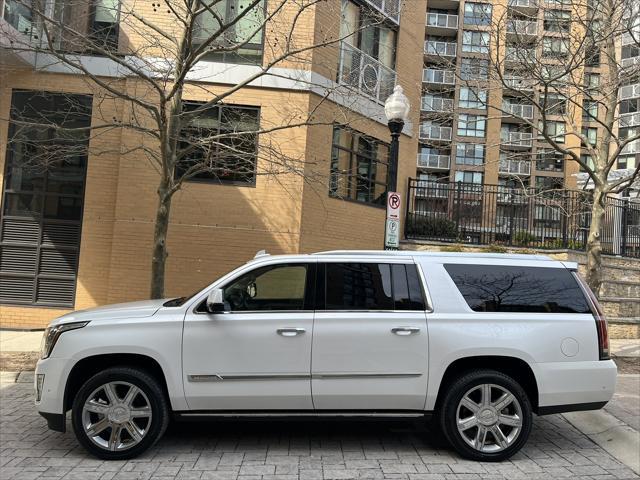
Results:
<point x="119" y="413"/>
<point x="486" y="415"/>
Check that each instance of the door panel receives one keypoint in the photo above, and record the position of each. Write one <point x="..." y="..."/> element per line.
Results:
<point x="260" y="368"/>
<point x="358" y="363"/>
<point x="256" y="356"/>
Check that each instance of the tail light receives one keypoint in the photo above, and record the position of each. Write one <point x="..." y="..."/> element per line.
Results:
<point x="601" y="321"/>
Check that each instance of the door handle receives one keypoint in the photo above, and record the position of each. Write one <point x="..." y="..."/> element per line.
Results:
<point x="405" y="330"/>
<point x="290" y="331"/>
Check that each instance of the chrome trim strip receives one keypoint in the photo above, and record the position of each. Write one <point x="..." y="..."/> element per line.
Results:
<point x="325" y="376"/>
<point x="298" y="376"/>
<point x="261" y="376"/>
<point x="301" y="414"/>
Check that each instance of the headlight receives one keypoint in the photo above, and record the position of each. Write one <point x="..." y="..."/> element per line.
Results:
<point x="51" y="335"/>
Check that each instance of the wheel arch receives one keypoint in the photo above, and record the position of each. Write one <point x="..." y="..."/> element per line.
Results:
<point x="88" y="366"/>
<point x="514" y="367"/>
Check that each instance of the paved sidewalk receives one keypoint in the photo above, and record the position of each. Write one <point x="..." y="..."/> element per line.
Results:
<point x="286" y="450"/>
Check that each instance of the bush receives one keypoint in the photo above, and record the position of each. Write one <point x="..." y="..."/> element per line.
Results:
<point x="495" y="249"/>
<point x="524" y="238"/>
<point x="434" y="227"/>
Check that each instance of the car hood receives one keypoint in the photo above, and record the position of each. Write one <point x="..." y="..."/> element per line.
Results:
<point x="145" y="308"/>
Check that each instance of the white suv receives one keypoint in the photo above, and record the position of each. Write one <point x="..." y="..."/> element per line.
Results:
<point x="479" y="341"/>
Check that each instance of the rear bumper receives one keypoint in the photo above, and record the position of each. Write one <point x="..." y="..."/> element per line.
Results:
<point x="572" y="386"/>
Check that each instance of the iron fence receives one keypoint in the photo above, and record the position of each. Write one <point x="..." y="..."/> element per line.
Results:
<point x="522" y="217"/>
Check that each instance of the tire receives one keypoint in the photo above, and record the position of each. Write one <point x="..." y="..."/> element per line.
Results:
<point x="477" y="437"/>
<point x="119" y="413"/>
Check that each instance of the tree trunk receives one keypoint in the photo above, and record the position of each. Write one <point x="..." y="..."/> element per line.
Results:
<point x="594" y="248"/>
<point x="160" y="253"/>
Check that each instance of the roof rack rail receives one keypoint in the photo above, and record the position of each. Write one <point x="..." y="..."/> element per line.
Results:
<point x="261" y="253"/>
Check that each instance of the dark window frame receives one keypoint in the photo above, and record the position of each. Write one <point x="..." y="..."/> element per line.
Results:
<point x="41" y="218"/>
<point x="210" y="177"/>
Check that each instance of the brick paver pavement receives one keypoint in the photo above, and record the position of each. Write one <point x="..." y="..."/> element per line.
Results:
<point x="289" y="450"/>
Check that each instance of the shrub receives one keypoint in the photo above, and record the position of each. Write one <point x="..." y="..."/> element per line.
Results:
<point x="495" y="249"/>
<point x="524" y="238"/>
<point x="434" y="227"/>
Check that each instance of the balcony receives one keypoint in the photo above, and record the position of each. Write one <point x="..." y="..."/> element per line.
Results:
<point x="522" y="27"/>
<point x="441" y="24"/>
<point x="17" y="15"/>
<point x="628" y="39"/>
<point x="438" y="77"/>
<point x="514" y="167"/>
<point x="631" y="148"/>
<point x="432" y="189"/>
<point x="436" y="104"/>
<point x="365" y="74"/>
<point x="435" y="132"/>
<point x="520" y="55"/>
<point x="516" y="139"/>
<point x="440" y="49"/>
<point x="629" y="120"/>
<point x="519" y="83"/>
<point x="511" y="195"/>
<point x="628" y="92"/>
<point x="389" y="8"/>
<point x="433" y="161"/>
<point x="630" y="62"/>
<point x="523" y="5"/>
<point x="517" y="110"/>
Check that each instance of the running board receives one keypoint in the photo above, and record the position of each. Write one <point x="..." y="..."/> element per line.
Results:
<point x="307" y="415"/>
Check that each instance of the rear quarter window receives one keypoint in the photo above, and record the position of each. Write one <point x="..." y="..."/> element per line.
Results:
<point x="499" y="288"/>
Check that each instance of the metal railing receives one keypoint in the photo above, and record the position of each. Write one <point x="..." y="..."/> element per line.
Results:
<point x="435" y="132"/>
<point x="431" y="103"/>
<point x="518" y="110"/>
<point x="631" y="147"/>
<point x="523" y="3"/>
<point x="441" y="49"/>
<point x="434" y="75"/>
<point x="630" y="91"/>
<point x="630" y="62"/>
<point x="519" y="83"/>
<point x="629" y="120"/>
<point x="517" y="139"/>
<point x="433" y="160"/>
<point x="514" y="167"/>
<point x="522" y="27"/>
<point x="521" y="217"/>
<point x="365" y="74"/>
<point x="389" y="8"/>
<point x="515" y="54"/>
<point x="18" y="15"/>
<point x="442" y="20"/>
<point x="628" y="38"/>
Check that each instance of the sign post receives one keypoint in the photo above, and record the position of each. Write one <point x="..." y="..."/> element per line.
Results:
<point x="392" y="222"/>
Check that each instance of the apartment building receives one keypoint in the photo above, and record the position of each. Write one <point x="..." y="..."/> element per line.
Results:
<point x="629" y="120"/>
<point x="461" y="137"/>
<point x="79" y="233"/>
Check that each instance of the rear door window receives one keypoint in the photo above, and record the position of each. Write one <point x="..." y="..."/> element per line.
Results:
<point x="372" y="286"/>
<point x="499" y="288"/>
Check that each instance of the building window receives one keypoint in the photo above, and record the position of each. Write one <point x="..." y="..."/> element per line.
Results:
<point x="471" y="125"/>
<point x="477" y="13"/>
<point x="358" y="167"/>
<point x="591" y="81"/>
<point x="553" y="47"/>
<point x="469" y="177"/>
<point x="474" y="69"/>
<point x="91" y="26"/>
<point x="554" y="104"/>
<point x="472" y="98"/>
<point x="43" y="198"/>
<point x="557" y="21"/>
<point x="589" y="110"/>
<point x="469" y="154"/>
<point x="475" y="42"/>
<point x="549" y="160"/>
<point x="555" y="130"/>
<point x="622" y="163"/>
<point x="242" y="41"/>
<point x="587" y="160"/>
<point x="591" y="134"/>
<point x="220" y="145"/>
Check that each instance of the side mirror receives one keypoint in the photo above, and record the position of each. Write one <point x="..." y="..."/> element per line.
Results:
<point x="215" y="301"/>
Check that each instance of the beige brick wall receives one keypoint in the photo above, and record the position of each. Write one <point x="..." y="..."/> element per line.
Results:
<point x="214" y="228"/>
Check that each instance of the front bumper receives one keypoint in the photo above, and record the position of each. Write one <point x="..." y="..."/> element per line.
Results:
<point x="51" y="404"/>
<point x="571" y="386"/>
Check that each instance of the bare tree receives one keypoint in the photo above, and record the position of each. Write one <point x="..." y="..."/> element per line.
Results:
<point x="155" y="53"/>
<point x="544" y="81"/>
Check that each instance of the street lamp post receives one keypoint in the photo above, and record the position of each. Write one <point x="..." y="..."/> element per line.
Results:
<point x="396" y="109"/>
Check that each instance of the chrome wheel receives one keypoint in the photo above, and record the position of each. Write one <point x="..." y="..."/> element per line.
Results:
<point x="489" y="418"/>
<point x="116" y="416"/>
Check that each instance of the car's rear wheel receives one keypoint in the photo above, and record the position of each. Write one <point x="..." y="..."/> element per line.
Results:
<point x="486" y="415"/>
<point x="119" y="413"/>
